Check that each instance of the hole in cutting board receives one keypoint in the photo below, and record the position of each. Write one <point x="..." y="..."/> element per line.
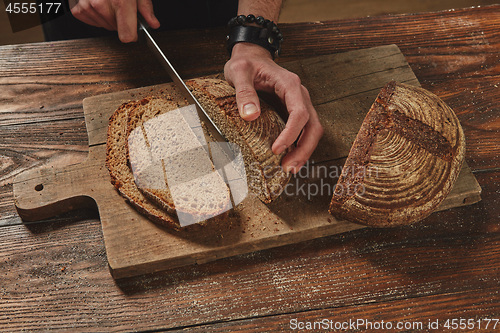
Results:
<point x="39" y="187"/>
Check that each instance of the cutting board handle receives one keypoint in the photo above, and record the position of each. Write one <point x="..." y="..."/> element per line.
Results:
<point x="43" y="193"/>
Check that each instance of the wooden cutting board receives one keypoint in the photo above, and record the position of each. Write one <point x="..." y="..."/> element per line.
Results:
<point x="342" y="88"/>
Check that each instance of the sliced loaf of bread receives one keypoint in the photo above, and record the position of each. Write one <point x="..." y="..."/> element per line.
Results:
<point x="264" y="174"/>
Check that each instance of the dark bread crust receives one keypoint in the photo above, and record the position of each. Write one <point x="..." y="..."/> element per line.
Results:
<point x="265" y="176"/>
<point x="404" y="161"/>
<point x="120" y="173"/>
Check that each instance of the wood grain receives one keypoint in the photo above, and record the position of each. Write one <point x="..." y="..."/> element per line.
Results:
<point x="55" y="273"/>
<point x="446" y="61"/>
<point x="129" y="236"/>
<point x="412" y="315"/>
<point x="69" y="280"/>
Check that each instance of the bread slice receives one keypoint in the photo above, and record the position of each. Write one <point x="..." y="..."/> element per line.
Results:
<point x="120" y="172"/>
<point x="171" y="164"/>
<point x="265" y="177"/>
<point x="404" y="160"/>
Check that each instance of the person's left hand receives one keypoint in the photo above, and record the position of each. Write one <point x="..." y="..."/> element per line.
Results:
<point x="251" y="68"/>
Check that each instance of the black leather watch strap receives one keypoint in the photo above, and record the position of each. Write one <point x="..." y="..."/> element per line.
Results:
<point x="255" y="35"/>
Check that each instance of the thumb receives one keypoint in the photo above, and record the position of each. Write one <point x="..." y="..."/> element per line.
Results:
<point x="247" y="100"/>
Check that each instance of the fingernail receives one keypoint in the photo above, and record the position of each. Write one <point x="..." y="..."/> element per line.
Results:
<point x="250" y="109"/>
<point x="280" y="150"/>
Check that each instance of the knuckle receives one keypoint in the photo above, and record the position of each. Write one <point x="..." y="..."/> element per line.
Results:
<point x="97" y="5"/>
<point x="245" y="91"/>
<point x="117" y="3"/>
<point x="77" y="11"/>
<point x="293" y="79"/>
<point x="244" y="97"/>
<point x="319" y="129"/>
<point x="302" y="116"/>
<point x="83" y="6"/>
<point x="239" y="65"/>
<point x="305" y="92"/>
<point x="287" y="81"/>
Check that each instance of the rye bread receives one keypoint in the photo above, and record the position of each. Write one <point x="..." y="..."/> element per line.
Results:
<point x="170" y="161"/>
<point x="267" y="180"/>
<point x="404" y="161"/>
<point x="120" y="172"/>
<point x="265" y="176"/>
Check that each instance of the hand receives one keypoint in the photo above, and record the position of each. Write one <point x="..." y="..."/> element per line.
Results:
<point x="118" y="15"/>
<point x="251" y="68"/>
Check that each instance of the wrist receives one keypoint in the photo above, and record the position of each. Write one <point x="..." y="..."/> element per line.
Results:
<point x="250" y="50"/>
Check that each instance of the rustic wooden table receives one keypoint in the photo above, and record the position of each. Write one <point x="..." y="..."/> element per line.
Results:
<point x="54" y="274"/>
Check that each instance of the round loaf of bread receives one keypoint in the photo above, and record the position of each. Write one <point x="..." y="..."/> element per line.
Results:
<point x="404" y="161"/>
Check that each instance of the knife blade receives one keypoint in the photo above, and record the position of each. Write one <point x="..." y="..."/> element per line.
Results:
<point x="215" y="132"/>
<point x="226" y="154"/>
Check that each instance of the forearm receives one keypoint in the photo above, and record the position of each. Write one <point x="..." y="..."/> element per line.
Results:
<point x="269" y="9"/>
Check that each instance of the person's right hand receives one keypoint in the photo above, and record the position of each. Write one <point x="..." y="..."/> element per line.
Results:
<point x="120" y="15"/>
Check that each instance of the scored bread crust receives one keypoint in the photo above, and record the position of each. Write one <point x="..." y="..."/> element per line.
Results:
<point x="404" y="161"/>
<point x="265" y="176"/>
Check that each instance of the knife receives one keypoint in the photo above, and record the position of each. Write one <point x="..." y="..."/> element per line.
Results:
<point x="225" y="153"/>
<point x="202" y="114"/>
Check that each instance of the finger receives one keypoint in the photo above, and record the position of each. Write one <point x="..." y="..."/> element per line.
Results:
<point x="105" y="11"/>
<point x="240" y="74"/>
<point x="83" y="12"/>
<point x="298" y="105"/>
<point x="247" y="100"/>
<point x="126" y="20"/>
<point x="306" y="145"/>
<point x="145" y="7"/>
